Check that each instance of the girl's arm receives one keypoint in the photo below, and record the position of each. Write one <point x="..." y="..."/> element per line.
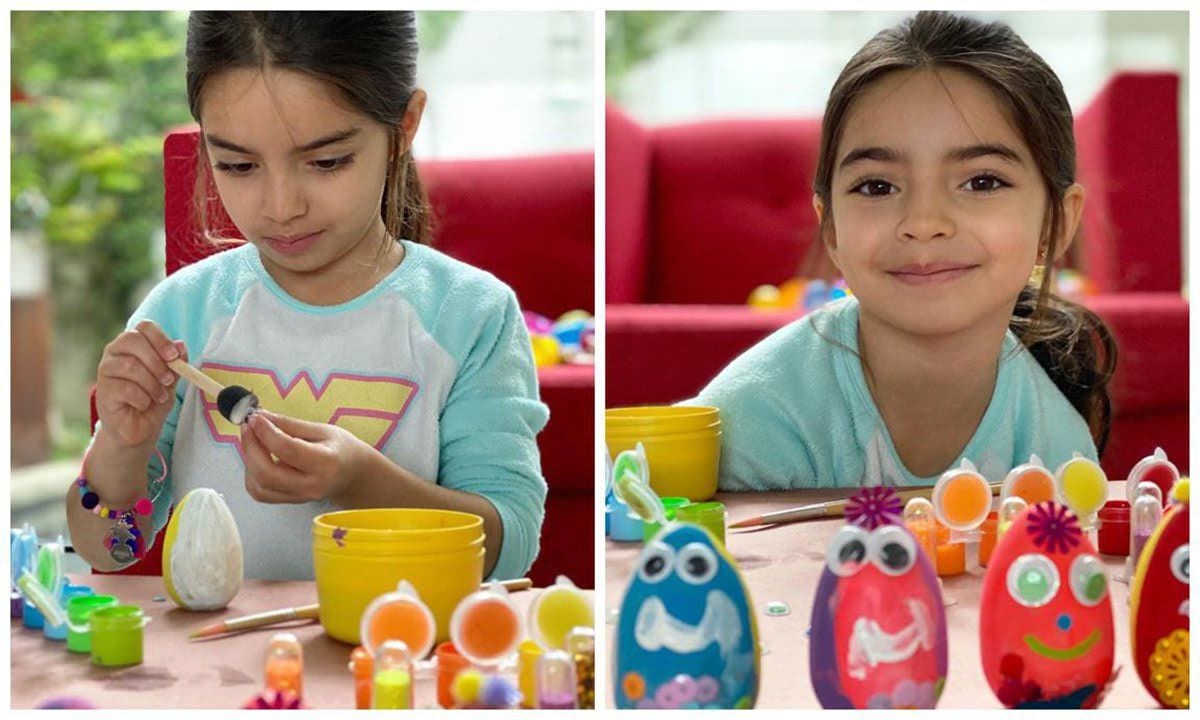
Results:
<point x="117" y="474"/>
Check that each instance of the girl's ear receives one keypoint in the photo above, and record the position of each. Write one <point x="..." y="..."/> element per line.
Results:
<point x="1072" y="207"/>
<point x="827" y="236"/>
<point x="412" y="116"/>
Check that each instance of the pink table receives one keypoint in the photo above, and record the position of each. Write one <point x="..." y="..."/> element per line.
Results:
<point x="784" y="564"/>
<point x="176" y="673"/>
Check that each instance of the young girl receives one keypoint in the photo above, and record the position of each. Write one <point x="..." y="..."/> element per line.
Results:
<point x="390" y="374"/>
<point x="946" y="176"/>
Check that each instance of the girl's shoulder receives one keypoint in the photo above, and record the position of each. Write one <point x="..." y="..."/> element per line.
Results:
<point x="440" y="278"/>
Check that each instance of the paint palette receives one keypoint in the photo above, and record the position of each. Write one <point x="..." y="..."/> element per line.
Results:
<point x="962" y="498"/>
<point x="1031" y="482"/>
<point x="1083" y="487"/>
<point x="486" y="627"/>
<point x="399" y="615"/>
<point x="556" y="611"/>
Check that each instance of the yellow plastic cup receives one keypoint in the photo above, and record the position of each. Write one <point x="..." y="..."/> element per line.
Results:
<point x="359" y="555"/>
<point x="681" y="465"/>
<point x="659" y="419"/>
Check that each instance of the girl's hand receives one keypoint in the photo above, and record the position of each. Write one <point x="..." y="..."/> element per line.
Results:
<point x="135" y="390"/>
<point x="315" y="460"/>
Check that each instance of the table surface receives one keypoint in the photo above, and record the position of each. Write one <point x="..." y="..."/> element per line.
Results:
<point x="176" y="673"/>
<point x="784" y="564"/>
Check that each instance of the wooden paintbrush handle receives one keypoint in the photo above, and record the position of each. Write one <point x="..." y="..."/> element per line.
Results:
<point x="210" y="387"/>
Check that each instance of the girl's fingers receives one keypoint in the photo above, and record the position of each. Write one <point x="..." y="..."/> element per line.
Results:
<point x="164" y="348"/>
<point x="288" y="449"/>
<point x="129" y="368"/>
<point x="296" y="427"/>
<point x="266" y="480"/>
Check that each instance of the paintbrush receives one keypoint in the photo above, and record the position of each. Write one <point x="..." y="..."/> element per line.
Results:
<point x="303" y="612"/>
<point x="234" y="402"/>
<point x="832" y="508"/>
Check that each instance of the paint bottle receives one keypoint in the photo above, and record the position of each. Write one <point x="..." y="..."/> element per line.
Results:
<point x="283" y="668"/>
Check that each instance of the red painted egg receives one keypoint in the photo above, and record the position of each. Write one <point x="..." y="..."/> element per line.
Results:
<point x="1046" y="619"/>
<point x="1158" y="611"/>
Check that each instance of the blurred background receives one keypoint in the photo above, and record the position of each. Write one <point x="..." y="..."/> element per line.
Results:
<point x="93" y="96"/>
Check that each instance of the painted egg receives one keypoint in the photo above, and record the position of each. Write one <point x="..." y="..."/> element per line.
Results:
<point x="878" y="632"/>
<point x="686" y="637"/>
<point x="202" y="552"/>
<point x="1046" y="619"/>
<point x="1158" y="610"/>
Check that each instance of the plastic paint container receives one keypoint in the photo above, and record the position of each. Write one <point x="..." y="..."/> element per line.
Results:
<point x="1113" y="535"/>
<point x="117" y="636"/>
<point x="987" y="537"/>
<point x="79" y="612"/>
<point x="528" y="655"/>
<point x="670" y="505"/>
<point x="556" y="611"/>
<point x="708" y="515"/>
<point x="681" y="465"/>
<point x="486" y="627"/>
<point x="624" y="526"/>
<point x="359" y="555"/>
<point x="399" y="615"/>
<point x="59" y="632"/>
<point x="449" y="664"/>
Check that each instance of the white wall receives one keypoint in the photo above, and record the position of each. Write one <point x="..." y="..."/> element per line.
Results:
<point x="509" y="84"/>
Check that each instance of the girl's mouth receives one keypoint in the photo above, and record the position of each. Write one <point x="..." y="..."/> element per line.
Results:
<point x="293" y="245"/>
<point x="932" y="274"/>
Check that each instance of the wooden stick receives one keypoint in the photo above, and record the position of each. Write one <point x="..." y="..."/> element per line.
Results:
<point x="303" y="612"/>
<point x="833" y="508"/>
<point x="211" y="387"/>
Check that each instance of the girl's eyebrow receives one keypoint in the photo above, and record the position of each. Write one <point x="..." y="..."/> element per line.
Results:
<point x="336" y="137"/>
<point x="958" y="154"/>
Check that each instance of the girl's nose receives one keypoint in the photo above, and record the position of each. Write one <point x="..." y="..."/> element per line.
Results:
<point x="1064" y="622"/>
<point x="925" y="217"/>
<point x="284" y="200"/>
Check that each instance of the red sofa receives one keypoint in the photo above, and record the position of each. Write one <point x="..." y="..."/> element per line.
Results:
<point x="527" y="220"/>
<point x="697" y="215"/>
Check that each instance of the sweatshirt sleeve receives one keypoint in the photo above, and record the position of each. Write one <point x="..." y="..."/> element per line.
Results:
<point x="492" y="416"/>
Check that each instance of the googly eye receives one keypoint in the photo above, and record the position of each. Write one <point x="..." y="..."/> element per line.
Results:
<point x="697" y="563"/>
<point x="892" y="550"/>
<point x="1179" y="564"/>
<point x="1033" y="580"/>
<point x="847" y="552"/>
<point x="657" y="562"/>
<point x="1088" y="582"/>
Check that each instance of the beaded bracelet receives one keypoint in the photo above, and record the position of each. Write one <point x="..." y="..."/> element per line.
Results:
<point x="123" y="540"/>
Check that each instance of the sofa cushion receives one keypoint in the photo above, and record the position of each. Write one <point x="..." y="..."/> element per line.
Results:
<point x="627" y="208"/>
<point x="732" y="207"/>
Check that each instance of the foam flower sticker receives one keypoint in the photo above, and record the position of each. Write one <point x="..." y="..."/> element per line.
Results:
<point x="874" y="507"/>
<point x="1054" y="528"/>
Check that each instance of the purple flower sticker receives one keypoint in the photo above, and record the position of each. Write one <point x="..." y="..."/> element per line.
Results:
<point x="1053" y="527"/>
<point x="339" y="534"/>
<point x="874" y="507"/>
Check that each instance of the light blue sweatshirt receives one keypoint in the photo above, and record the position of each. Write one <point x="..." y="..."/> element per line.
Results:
<point x="796" y="413"/>
<point x="432" y="367"/>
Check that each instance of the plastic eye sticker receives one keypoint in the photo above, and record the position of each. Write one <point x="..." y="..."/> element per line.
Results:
<point x="1179" y="564"/>
<point x="1088" y="582"/>
<point x="697" y="564"/>
<point x="847" y="551"/>
<point x="892" y="550"/>
<point x="1033" y="580"/>
<point x="657" y="562"/>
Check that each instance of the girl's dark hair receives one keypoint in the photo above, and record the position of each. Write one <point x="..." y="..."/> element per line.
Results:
<point x="370" y="57"/>
<point x="1070" y="342"/>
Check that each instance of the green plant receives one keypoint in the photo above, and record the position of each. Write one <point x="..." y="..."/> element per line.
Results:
<point x="632" y="38"/>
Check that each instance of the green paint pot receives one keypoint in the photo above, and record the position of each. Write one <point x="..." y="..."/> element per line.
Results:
<point x="117" y="635"/>
<point x="79" y="612"/>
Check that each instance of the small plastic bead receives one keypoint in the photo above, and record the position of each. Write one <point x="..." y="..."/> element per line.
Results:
<point x="144" y="506"/>
<point x="90" y="500"/>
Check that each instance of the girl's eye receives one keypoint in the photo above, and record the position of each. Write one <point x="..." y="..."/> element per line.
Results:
<point x="1033" y="580"/>
<point x="984" y="183"/>
<point x="874" y="188"/>
<point x="235" y="168"/>
<point x="330" y="164"/>
<point x="1088" y="582"/>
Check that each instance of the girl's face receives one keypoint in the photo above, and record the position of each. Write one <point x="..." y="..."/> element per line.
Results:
<point x="300" y="173"/>
<point x="937" y="204"/>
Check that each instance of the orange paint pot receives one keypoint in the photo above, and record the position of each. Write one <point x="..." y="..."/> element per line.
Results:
<point x="449" y="664"/>
<point x="486" y="627"/>
<point x="399" y="615"/>
<point x="962" y="498"/>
